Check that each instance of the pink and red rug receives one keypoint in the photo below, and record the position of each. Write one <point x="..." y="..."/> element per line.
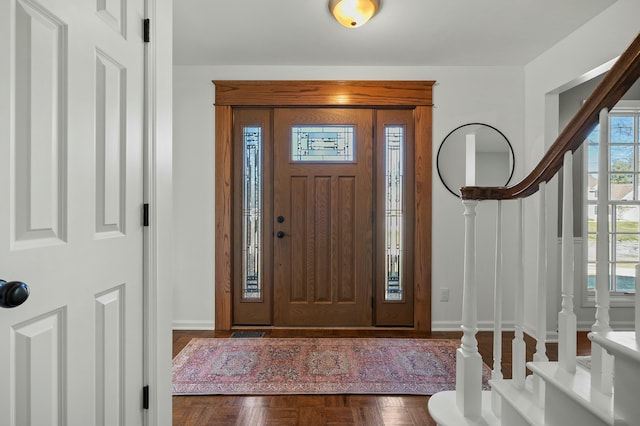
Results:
<point x="270" y="366"/>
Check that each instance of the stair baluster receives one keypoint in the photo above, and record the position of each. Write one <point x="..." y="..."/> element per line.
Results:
<point x="518" y="346"/>
<point x="496" y="373"/>
<point x="567" y="327"/>
<point x="541" y="323"/>
<point x="601" y="361"/>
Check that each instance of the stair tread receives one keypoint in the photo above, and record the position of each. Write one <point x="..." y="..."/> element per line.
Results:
<point x="522" y="400"/>
<point x="577" y="386"/>
<point x="619" y="342"/>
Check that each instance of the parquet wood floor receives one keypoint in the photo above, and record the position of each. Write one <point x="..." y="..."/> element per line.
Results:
<point x="311" y="410"/>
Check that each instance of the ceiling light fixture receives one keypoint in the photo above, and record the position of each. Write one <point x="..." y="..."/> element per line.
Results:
<point x="353" y="13"/>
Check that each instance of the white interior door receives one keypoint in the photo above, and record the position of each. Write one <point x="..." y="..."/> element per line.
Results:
<point x="71" y="175"/>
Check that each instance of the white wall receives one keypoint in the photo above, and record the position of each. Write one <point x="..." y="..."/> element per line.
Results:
<point x="193" y="160"/>
<point x="567" y="64"/>
<point x="522" y="103"/>
<point x="493" y="95"/>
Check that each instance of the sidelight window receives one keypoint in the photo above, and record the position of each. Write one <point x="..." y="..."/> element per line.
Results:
<point x="252" y="278"/>
<point x="394" y="146"/>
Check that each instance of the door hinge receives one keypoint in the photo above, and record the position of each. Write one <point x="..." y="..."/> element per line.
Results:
<point x="145" y="214"/>
<point x="146" y="25"/>
<point x="145" y="397"/>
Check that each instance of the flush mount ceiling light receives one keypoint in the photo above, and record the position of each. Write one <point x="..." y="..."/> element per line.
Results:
<point x="353" y="13"/>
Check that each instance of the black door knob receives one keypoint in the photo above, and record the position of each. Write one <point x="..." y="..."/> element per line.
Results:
<point x="280" y="219"/>
<point x="13" y="293"/>
<point x="280" y="234"/>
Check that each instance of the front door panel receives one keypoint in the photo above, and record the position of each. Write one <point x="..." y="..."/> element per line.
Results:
<point x="323" y="213"/>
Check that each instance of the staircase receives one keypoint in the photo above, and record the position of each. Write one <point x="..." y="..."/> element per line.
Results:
<point x="563" y="392"/>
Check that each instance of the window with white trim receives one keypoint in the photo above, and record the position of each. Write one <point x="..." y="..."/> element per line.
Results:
<point x="623" y="178"/>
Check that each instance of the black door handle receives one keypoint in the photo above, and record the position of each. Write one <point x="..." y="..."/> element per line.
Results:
<point x="280" y="234"/>
<point x="280" y="219"/>
<point x="13" y="293"/>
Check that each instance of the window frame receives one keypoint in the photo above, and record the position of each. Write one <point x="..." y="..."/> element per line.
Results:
<point x="617" y="299"/>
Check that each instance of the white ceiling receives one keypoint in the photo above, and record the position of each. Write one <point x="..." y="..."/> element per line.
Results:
<point x="404" y="32"/>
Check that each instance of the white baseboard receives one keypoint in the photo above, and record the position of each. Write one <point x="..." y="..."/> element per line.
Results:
<point x="193" y="325"/>
<point x="435" y="326"/>
<point x="455" y="326"/>
<point x="615" y="325"/>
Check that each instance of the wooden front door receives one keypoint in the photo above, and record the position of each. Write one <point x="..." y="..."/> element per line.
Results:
<point x="323" y="217"/>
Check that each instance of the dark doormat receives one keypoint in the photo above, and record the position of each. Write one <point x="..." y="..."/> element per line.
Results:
<point x="247" y="334"/>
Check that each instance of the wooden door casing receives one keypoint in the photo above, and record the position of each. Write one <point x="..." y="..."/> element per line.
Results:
<point x="323" y="263"/>
<point x="414" y="95"/>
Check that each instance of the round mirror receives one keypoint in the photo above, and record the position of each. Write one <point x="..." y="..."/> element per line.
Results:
<point x="475" y="154"/>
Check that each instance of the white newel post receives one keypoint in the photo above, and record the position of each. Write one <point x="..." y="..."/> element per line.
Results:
<point x="541" y="324"/>
<point x="601" y="361"/>
<point x="496" y="373"/>
<point x="566" y="317"/>
<point x="518" y="346"/>
<point x="468" y="359"/>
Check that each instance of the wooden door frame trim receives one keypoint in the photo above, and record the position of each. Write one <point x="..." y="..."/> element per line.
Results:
<point x="372" y="94"/>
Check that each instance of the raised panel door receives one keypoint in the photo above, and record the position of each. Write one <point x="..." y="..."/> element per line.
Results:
<point x="323" y="191"/>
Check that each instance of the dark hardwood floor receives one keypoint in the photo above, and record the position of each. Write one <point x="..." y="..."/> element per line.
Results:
<point x="309" y="410"/>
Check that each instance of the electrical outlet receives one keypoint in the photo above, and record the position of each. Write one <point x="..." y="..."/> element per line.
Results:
<point x="444" y="294"/>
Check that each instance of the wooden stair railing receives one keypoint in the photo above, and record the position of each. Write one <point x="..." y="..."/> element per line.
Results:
<point x="618" y="80"/>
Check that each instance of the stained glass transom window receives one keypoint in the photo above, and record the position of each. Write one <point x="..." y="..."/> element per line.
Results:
<point x="322" y="143"/>
<point x="252" y="213"/>
<point x="394" y="146"/>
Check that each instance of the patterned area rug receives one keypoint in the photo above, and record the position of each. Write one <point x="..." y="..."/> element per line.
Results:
<point x="271" y="366"/>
